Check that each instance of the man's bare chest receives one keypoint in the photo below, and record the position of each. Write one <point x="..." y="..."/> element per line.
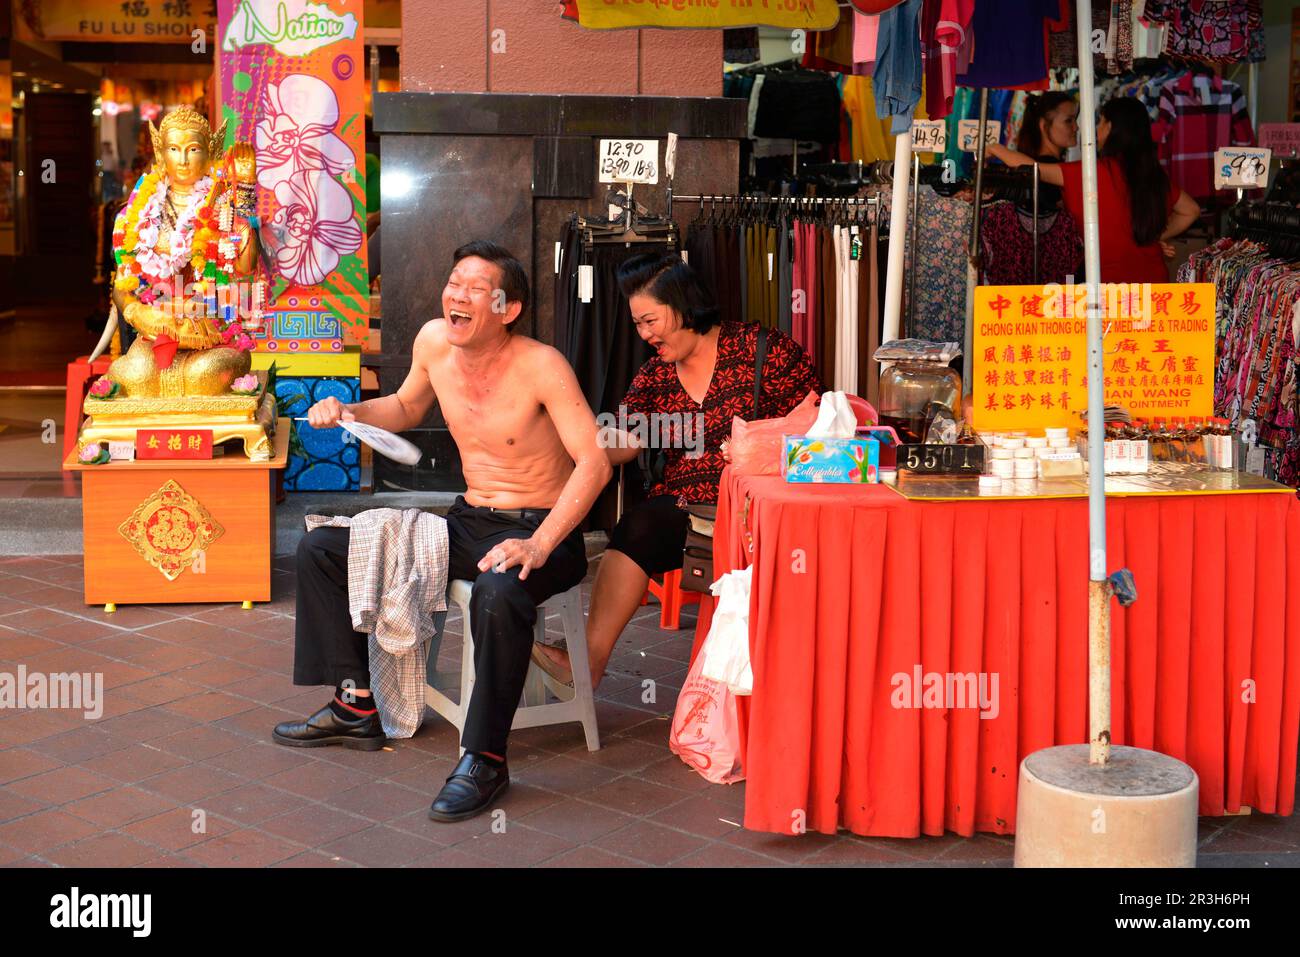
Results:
<point x="498" y="411"/>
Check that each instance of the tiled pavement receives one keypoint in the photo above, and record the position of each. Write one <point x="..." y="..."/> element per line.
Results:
<point x="180" y="770"/>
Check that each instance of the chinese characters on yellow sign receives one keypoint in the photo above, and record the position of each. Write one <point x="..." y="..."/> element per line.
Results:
<point x="1030" y="362"/>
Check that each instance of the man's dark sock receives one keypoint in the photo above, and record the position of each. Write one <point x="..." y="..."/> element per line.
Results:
<point x="358" y="707"/>
<point x="491" y="759"/>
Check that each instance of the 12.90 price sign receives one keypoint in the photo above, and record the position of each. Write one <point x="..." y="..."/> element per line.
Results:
<point x="629" y="161"/>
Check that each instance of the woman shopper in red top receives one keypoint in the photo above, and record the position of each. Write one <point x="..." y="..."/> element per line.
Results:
<point x="1138" y="207"/>
<point x="701" y="376"/>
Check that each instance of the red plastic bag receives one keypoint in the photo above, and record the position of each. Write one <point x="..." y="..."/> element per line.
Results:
<point x="706" y="729"/>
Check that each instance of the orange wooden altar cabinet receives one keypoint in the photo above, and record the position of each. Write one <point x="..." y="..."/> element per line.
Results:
<point x="176" y="530"/>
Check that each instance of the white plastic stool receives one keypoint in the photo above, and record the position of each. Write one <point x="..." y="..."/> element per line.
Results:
<point x="575" y="704"/>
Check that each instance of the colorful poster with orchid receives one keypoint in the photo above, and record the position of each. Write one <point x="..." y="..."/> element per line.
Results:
<point x="291" y="74"/>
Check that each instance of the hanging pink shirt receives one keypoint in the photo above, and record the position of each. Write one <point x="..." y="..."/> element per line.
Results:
<point x="865" y="28"/>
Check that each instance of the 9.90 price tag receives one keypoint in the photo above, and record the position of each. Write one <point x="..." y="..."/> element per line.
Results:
<point x="1241" y="167"/>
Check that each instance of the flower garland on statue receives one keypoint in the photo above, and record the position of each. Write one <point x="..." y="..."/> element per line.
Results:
<point x="203" y="236"/>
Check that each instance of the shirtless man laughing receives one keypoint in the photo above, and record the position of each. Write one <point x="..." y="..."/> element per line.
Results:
<point x="527" y="442"/>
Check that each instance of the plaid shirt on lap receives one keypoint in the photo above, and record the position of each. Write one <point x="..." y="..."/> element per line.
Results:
<point x="397" y="579"/>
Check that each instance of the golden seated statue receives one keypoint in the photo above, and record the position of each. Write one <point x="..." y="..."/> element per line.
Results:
<point x="183" y="237"/>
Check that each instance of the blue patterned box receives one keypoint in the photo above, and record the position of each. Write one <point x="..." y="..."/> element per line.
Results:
<point x="811" y="459"/>
<point x="320" y="460"/>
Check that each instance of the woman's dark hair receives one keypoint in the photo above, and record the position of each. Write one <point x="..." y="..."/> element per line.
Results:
<point x="1129" y="143"/>
<point x="667" y="279"/>
<point x="1030" y="140"/>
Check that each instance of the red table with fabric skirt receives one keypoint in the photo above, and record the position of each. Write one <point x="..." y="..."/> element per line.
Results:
<point x="854" y="586"/>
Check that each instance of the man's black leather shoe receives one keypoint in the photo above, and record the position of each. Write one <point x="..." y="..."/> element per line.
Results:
<point x="325" y="727"/>
<point x="474" y="785"/>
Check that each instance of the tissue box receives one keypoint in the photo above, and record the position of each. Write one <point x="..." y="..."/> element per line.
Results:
<point x="833" y="461"/>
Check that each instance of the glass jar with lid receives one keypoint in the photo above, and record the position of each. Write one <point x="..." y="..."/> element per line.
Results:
<point x="910" y="390"/>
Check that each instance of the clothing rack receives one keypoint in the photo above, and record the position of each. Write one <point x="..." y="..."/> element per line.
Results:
<point x="1275" y="225"/>
<point x="871" y="202"/>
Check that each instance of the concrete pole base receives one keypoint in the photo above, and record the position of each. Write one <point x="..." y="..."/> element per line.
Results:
<point x="1137" y="810"/>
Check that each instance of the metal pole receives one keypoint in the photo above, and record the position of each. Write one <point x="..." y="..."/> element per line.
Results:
<point x="911" y="276"/>
<point x="1099" y="591"/>
<point x="972" y="260"/>
<point x="1035" y="223"/>
<point x="374" y="76"/>
<point x="1252" y="101"/>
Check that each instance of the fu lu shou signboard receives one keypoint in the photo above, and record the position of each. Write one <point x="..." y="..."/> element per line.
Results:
<point x="1030" y="362"/>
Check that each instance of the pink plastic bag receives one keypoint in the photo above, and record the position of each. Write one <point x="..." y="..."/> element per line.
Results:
<point x="756" y="446"/>
<point x="706" y="730"/>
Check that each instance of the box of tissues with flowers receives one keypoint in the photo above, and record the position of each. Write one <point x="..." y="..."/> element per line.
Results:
<point x="832" y="451"/>
<point x="809" y="458"/>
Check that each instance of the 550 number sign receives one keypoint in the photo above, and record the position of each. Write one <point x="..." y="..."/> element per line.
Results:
<point x="942" y="459"/>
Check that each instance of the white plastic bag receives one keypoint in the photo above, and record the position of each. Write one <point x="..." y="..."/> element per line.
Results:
<point x="726" y="648"/>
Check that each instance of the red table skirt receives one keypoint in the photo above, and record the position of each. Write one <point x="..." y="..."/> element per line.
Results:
<point x="855" y="587"/>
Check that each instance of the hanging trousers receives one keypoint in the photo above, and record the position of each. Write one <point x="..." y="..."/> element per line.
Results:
<point x="503" y="610"/>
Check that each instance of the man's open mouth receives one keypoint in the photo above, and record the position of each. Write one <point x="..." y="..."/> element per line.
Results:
<point x="459" y="318"/>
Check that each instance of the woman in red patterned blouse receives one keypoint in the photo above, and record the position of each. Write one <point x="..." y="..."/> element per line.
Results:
<point x="683" y="401"/>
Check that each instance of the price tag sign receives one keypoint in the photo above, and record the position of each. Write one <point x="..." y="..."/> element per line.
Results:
<point x="968" y="132"/>
<point x="629" y="161"/>
<point x="1283" y="138"/>
<point x="1241" y="167"/>
<point x="929" y="136"/>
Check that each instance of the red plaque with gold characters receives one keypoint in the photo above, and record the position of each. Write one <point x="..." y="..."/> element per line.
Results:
<point x="173" y="443"/>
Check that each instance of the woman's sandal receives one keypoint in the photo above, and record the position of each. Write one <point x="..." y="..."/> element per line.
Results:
<point x="544" y="662"/>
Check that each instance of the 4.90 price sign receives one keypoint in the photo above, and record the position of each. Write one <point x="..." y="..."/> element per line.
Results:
<point x="629" y="161"/>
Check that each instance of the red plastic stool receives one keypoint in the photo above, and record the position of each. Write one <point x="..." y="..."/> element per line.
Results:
<point x="81" y="372"/>
<point x="671" y="599"/>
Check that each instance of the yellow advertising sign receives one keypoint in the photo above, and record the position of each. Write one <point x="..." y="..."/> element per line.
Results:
<point x="1030" y="361"/>
<point x="126" y="21"/>
<point x="790" y="14"/>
